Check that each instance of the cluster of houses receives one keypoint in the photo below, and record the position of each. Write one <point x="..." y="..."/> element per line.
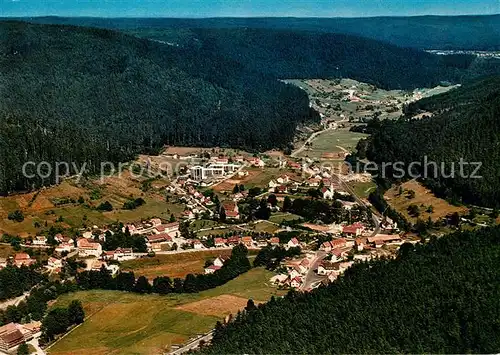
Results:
<point x="348" y="244"/>
<point x="19" y="260"/>
<point x="12" y="335"/>
<point x="296" y="271"/>
<point x="285" y="184"/>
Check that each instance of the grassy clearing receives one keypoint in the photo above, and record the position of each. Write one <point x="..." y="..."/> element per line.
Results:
<point x="332" y="141"/>
<point x="363" y="189"/>
<point x="423" y="199"/>
<point x="220" y="231"/>
<point x="281" y="217"/>
<point x="128" y="323"/>
<point x="202" y="224"/>
<point x="6" y="251"/>
<point x="264" y="226"/>
<point x="173" y="265"/>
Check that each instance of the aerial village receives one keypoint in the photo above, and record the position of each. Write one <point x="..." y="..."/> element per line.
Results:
<point x="326" y="249"/>
<point x="303" y="214"/>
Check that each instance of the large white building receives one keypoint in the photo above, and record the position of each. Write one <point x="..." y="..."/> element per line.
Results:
<point x="211" y="171"/>
<point x="86" y="248"/>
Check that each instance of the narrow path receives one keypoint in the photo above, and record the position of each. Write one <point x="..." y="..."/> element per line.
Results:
<point x="193" y="344"/>
<point x="309" y="140"/>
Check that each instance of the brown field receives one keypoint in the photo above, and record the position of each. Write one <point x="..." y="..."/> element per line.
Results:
<point x="228" y="184"/>
<point x="219" y="306"/>
<point x="172" y="265"/>
<point x="182" y="150"/>
<point x="6" y="251"/>
<point x="423" y="199"/>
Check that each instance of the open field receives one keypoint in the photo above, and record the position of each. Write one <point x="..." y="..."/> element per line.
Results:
<point x="202" y="224"/>
<point x="332" y="141"/>
<point x="6" y="251"/>
<point x="363" y="189"/>
<point x="219" y="306"/>
<point x="281" y="217"/>
<point x="423" y="199"/>
<point x="264" y="226"/>
<point x="127" y="323"/>
<point x="172" y="265"/>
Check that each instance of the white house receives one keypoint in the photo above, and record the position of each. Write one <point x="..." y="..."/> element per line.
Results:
<point x="211" y="269"/>
<point x="172" y="229"/>
<point x="120" y="254"/>
<point x="273" y="184"/>
<point x="292" y="243"/>
<point x="220" y="242"/>
<point x="87" y="235"/>
<point x="65" y="247"/>
<point x="256" y="162"/>
<point x="219" y="261"/>
<point x="278" y="279"/>
<point x="294" y="272"/>
<point x="338" y="255"/>
<point x="198" y="245"/>
<point x="283" y="179"/>
<point x="327" y="193"/>
<point x="296" y="282"/>
<point x="54" y="263"/>
<point x="326" y="268"/>
<point x="360" y="244"/>
<point x="40" y="240"/>
<point x="86" y="248"/>
<point x="155" y="222"/>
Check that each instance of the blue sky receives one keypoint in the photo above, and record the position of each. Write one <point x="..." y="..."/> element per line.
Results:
<point x="242" y="8"/>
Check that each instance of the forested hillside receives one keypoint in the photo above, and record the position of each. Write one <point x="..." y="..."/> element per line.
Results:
<point x="302" y="54"/>
<point x="304" y="51"/>
<point x="465" y="124"/>
<point x="90" y="95"/>
<point x="423" y="32"/>
<point x="443" y="297"/>
<point x="296" y="54"/>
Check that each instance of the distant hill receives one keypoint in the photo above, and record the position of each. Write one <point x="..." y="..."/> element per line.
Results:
<point x="75" y="94"/>
<point x="465" y="124"/>
<point x="422" y="32"/>
<point x="436" y="298"/>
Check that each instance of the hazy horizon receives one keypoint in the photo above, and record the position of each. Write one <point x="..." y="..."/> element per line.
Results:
<point x="245" y="8"/>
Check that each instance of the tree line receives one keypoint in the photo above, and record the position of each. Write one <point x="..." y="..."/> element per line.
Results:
<point x="59" y="319"/>
<point x="237" y="264"/>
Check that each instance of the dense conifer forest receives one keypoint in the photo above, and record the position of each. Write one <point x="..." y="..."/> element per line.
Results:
<point x="86" y="95"/>
<point x="442" y="297"/>
<point x="465" y="124"/>
<point x="304" y="54"/>
<point x="14" y="281"/>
